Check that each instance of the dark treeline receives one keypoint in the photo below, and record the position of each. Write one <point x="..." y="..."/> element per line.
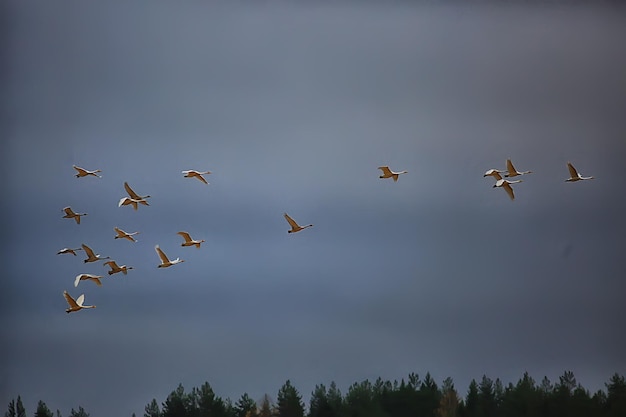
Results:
<point x="413" y="397"/>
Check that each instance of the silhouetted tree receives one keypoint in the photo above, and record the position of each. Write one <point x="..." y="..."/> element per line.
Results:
<point x="11" y="409"/>
<point x="43" y="410"/>
<point x="176" y="404"/>
<point x="289" y="401"/>
<point x="320" y="403"/>
<point x="428" y="397"/>
<point x="360" y="401"/>
<point x="19" y="408"/>
<point x="152" y="409"/>
<point x="79" y="413"/>
<point x="245" y="407"/>
<point x="449" y="402"/>
<point x="616" y="396"/>
<point x="267" y="409"/>
<point x="204" y="403"/>
<point x="471" y="406"/>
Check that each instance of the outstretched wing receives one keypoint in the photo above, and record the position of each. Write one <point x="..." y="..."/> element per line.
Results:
<point x="69" y="211"/>
<point x="70" y="300"/>
<point x="291" y="221"/>
<point x="185" y="236"/>
<point x="88" y="251"/>
<point x="572" y="171"/>
<point x="201" y="178"/>
<point x="112" y="264"/>
<point x="80" y="300"/>
<point x="120" y="232"/>
<point x="162" y="255"/>
<point x="386" y="170"/>
<point x="510" y="168"/>
<point x="509" y="190"/>
<point x="130" y="192"/>
<point x="80" y="170"/>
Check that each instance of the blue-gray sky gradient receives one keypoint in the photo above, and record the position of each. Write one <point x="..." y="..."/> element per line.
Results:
<point x="292" y="107"/>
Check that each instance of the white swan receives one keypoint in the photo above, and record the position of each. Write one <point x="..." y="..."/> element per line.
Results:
<point x="506" y="184"/>
<point x="193" y="173"/>
<point x="126" y="201"/>
<point x="574" y="175"/>
<point x="84" y="277"/>
<point x="512" y="172"/>
<point x="68" y="250"/>
<point x="123" y="235"/>
<point x="387" y="173"/>
<point x="77" y="304"/>
<point x="69" y="214"/>
<point x="189" y="241"/>
<point x="92" y="257"/>
<point x="115" y="268"/>
<point x="494" y="173"/>
<point x="82" y="172"/>
<point x="165" y="262"/>
<point x="295" y="227"/>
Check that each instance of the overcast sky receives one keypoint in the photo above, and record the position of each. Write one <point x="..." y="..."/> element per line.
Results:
<point x="293" y="108"/>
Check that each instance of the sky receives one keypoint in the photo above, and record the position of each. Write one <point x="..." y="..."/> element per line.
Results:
<point x="292" y="107"/>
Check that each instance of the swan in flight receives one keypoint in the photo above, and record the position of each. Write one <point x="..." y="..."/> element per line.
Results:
<point x="91" y="257"/>
<point x="77" y="304"/>
<point x="133" y="194"/>
<point x="189" y="241"/>
<point x="68" y="250"/>
<point x="512" y="172"/>
<point x="165" y="262"/>
<point x="387" y="173"/>
<point x="85" y="277"/>
<point x="494" y="173"/>
<point x="506" y="184"/>
<point x="123" y="235"/>
<point x="295" y="227"/>
<point x="199" y="175"/>
<point x="115" y="268"/>
<point x="69" y="214"/>
<point x="574" y="175"/>
<point x="125" y="201"/>
<point x="82" y="172"/>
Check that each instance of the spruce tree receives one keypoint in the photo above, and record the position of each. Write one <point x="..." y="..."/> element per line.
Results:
<point x="289" y="401"/>
<point x="43" y="410"/>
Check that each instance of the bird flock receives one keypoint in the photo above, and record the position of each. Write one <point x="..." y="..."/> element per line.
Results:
<point x="133" y="199"/>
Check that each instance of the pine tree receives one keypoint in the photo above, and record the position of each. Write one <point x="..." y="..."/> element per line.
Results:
<point x="11" y="409"/>
<point x="449" y="402"/>
<point x="289" y="401"/>
<point x="19" y="408"/>
<point x="616" y="396"/>
<point x="245" y="406"/>
<point x="152" y="409"/>
<point x="79" y="413"/>
<point x="177" y="404"/>
<point x="43" y="410"/>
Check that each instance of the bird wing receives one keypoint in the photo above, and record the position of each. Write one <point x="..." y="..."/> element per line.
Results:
<point x="386" y="170"/>
<point x="201" y="178"/>
<point x="70" y="300"/>
<point x="97" y="280"/>
<point x="572" y="171"/>
<point x="291" y="221"/>
<point x="162" y="255"/>
<point x="112" y="264"/>
<point x="510" y="168"/>
<point x="130" y="192"/>
<point x="509" y="190"/>
<point x="185" y="236"/>
<point x="88" y="251"/>
<point x="69" y="211"/>
<point x="77" y="279"/>
<point x="120" y="232"/>
<point x="80" y="170"/>
<point x="80" y="300"/>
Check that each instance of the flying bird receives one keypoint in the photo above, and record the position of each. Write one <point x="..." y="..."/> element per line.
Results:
<point x="189" y="241"/>
<point x="387" y="173"/>
<point x="123" y="235"/>
<point x="165" y="262"/>
<point x="574" y="175"/>
<point x="494" y="173"/>
<point x="295" y="227"/>
<point x="77" y="304"/>
<point x="115" y="268"/>
<point x="68" y="250"/>
<point x="69" y="214"/>
<point x="199" y="175"/>
<point x="512" y="172"/>
<point x="125" y="201"/>
<point x="91" y="257"/>
<point x="85" y="277"/>
<point x="506" y="184"/>
<point x="82" y="172"/>
<point x="133" y="194"/>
